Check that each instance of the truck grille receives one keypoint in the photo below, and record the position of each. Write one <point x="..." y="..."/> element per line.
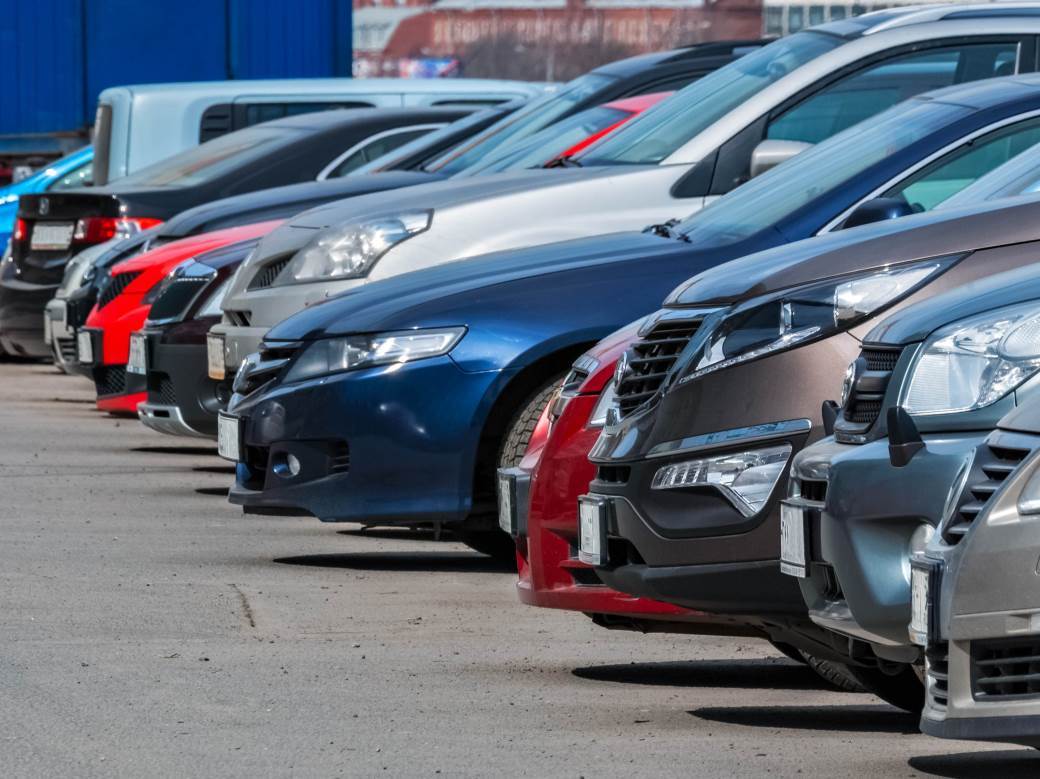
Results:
<point x="1005" y="669"/>
<point x="994" y="462"/>
<point x="266" y="276"/>
<point x="937" y="675"/>
<point x="115" y="287"/>
<point x="650" y="359"/>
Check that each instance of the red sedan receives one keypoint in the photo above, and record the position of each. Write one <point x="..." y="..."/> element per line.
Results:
<point x="122" y="308"/>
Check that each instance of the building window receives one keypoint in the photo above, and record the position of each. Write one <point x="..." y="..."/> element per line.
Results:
<point x="795" y="18"/>
<point x="817" y="14"/>
<point x="838" y="12"/>
<point x="774" y="20"/>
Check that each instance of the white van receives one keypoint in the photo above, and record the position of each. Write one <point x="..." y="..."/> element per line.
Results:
<point x="138" y="125"/>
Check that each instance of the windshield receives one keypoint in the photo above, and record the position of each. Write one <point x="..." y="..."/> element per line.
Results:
<point x="211" y="159"/>
<point x="391" y="159"/>
<point x="1018" y="176"/>
<point x="545" y="146"/>
<point x="529" y="119"/>
<point x="766" y="200"/>
<point x="662" y="130"/>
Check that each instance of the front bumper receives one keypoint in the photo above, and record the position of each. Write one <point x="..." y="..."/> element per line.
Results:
<point x="118" y="391"/>
<point x="388" y="445"/>
<point x="21" y="317"/>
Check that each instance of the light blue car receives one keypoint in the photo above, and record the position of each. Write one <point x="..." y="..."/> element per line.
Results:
<point x="73" y="170"/>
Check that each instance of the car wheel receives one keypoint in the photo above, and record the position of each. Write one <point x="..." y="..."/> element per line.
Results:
<point x="898" y="685"/>
<point x="789" y="652"/>
<point x="837" y="675"/>
<point x="495" y="543"/>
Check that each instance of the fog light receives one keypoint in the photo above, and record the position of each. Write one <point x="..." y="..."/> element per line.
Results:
<point x="746" y="479"/>
<point x="293" y="464"/>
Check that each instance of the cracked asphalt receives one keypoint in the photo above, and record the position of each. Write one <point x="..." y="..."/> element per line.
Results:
<point x="148" y="628"/>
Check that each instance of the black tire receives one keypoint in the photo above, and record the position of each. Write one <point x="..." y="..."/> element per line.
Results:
<point x="898" y="686"/>
<point x="495" y="543"/>
<point x="789" y="652"/>
<point x="837" y="675"/>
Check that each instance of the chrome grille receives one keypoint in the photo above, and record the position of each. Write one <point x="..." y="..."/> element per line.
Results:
<point x="873" y="372"/>
<point x="650" y="359"/>
<point x="937" y="675"/>
<point x="115" y="286"/>
<point x="266" y="275"/>
<point x="1005" y="669"/>
<point x="994" y="462"/>
<point x="260" y="368"/>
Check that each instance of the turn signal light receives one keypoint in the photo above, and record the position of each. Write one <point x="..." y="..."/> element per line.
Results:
<point x="98" y="229"/>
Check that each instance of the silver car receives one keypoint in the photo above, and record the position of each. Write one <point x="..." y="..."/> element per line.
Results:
<point x="670" y="161"/>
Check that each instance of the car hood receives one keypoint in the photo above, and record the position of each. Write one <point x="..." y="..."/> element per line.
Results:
<point x="284" y="202"/>
<point x="189" y="247"/>
<point x="440" y="294"/>
<point x="917" y="322"/>
<point x="943" y="232"/>
<point x="456" y="192"/>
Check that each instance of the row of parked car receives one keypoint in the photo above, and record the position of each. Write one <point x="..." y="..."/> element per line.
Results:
<point x="825" y="436"/>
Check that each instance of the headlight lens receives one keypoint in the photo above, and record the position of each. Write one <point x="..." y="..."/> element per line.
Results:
<point x="747" y="479"/>
<point x="818" y="310"/>
<point x="334" y="355"/>
<point x="350" y="250"/>
<point x="975" y="362"/>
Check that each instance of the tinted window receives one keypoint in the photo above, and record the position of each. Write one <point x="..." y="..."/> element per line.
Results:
<point x="211" y="159"/>
<point x="659" y="132"/>
<point x="80" y="177"/>
<point x="255" y="113"/>
<point x="375" y="149"/>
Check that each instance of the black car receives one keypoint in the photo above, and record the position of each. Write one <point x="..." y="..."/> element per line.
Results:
<point x="51" y="228"/>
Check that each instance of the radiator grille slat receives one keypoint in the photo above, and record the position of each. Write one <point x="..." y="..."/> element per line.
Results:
<point x="115" y="287"/>
<point x="650" y="359"/>
<point x="1005" y="669"/>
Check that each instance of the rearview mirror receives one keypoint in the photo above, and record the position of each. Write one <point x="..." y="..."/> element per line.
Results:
<point x="769" y="154"/>
<point x="878" y="210"/>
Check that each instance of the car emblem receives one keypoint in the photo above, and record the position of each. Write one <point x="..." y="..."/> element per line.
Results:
<point x="849" y="382"/>
<point x="45" y="206"/>
<point x="622" y="369"/>
<point x="247" y="366"/>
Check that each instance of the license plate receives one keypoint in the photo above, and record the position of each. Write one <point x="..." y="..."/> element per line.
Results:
<point x="138" y="362"/>
<point x="215" y="356"/>
<point x="922" y="617"/>
<point x="228" y="437"/>
<point x="48" y="328"/>
<point x="592" y="531"/>
<point x="793" y="537"/>
<point x="84" y="347"/>
<point x="51" y="237"/>
<point x="506" y="519"/>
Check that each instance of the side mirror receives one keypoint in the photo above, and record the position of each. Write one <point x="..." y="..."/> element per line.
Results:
<point x="878" y="210"/>
<point x="769" y="154"/>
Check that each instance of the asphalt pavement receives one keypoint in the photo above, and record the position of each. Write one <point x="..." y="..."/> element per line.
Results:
<point x="149" y="628"/>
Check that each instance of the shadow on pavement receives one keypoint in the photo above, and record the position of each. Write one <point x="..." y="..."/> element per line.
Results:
<point x="228" y="470"/>
<point x="220" y="492"/>
<point x="395" y="534"/>
<point x="1007" y="764"/>
<point x="194" y="450"/>
<point x="740" y="674"/>
<point x="456" y="562"/>
<point x="851" y="719"/>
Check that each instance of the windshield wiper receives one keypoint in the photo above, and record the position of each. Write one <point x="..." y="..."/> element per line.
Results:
<point x="564" y="162"/>
<point x="665" y="231"/>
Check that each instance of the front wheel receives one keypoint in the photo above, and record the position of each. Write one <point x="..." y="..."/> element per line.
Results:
<point x="900" y="686"/>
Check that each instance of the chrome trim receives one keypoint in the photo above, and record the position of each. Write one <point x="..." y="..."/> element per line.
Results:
<point x="727" y="438"/>
<point x="372" y="139"/>
<point x="166" y="419"/>
<point x="676" y="314"/>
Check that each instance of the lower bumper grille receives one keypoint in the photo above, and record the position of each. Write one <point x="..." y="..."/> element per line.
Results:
<point x="110" y="380"/>
<point x="1005" y="669"/>
<point x="67" y="348"/>
<point x="160" y="389"/>
<point x="937" y="671"/>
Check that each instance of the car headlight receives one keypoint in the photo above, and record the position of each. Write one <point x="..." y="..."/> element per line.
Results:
<point x="349" y="250"/>
<point x="975" y="362"/>
<point x="334" y="355"/>
<point x="810" y="312"/>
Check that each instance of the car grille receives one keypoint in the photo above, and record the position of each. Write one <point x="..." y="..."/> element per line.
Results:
<point x="175" y="300"/>
<point x="650" y="359"/>
<point x="115" y="286"/>
<point x="995" y="460"/>
<point x="937" y="675"/>
<point x="873" y="374"/>
<point x="1005" y="669"/>
<point x="110" y="380"/>
<point x="255" y="373"/>
<point x="339" y="458"/>
<point x="266" y="275"/>
<point x="67" y="347"/>
<point x="238" y="318"/>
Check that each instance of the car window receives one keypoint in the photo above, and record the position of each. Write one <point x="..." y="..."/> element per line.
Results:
<point x="948" y="175"/>
<point x="78" y="177"/>
<point x="255" y="113"/>
<point x="376" y="148"/>
<point x="1019" y="176"/>
<point x="874" y="89"/>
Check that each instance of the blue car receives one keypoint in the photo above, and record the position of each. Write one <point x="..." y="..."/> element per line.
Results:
<point x="73" y="170"/>
<point x="395" y="403"/>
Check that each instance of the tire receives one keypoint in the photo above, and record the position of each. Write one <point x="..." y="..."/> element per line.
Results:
<point x="837" y="675"/>
<point x="495" y="543"/>
<point x="899" y="686"/>
<point x="789" y="652"/>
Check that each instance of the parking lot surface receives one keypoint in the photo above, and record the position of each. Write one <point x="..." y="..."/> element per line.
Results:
<point x="148" y="628"/>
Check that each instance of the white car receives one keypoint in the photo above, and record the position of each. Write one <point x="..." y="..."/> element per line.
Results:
<point x="707" y="139"/>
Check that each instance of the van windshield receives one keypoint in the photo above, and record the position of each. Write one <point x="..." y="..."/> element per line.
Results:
<point x="767" y="199"/>
<point x="660" y="131"/>
<point x="211" y="159"/>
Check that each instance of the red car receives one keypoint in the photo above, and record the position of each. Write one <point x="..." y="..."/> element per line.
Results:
<point x="558" y="469"/>
<point x="122" y="308"/>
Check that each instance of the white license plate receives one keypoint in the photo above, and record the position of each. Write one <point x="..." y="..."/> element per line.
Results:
<point x="793" y="523"/>
<point x="505" y="505"/>
<point x="138" y="362"/>
<point x="920" y="616"/>
<point x="228" y="437"/>
<point x="51" y="237"/>
<point x="591" y="532"/>
<point x="215" y="356"/>
<point x="84" y="347"/>
<point x="48" y="328"/>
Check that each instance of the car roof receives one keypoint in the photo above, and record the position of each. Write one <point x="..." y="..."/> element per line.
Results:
<point x="317" y="121"/>
<point x="642" y="62"/>
<point x="890" y="18"/>
<point x="339" y="86"/>
<point x="987" y="93"/>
